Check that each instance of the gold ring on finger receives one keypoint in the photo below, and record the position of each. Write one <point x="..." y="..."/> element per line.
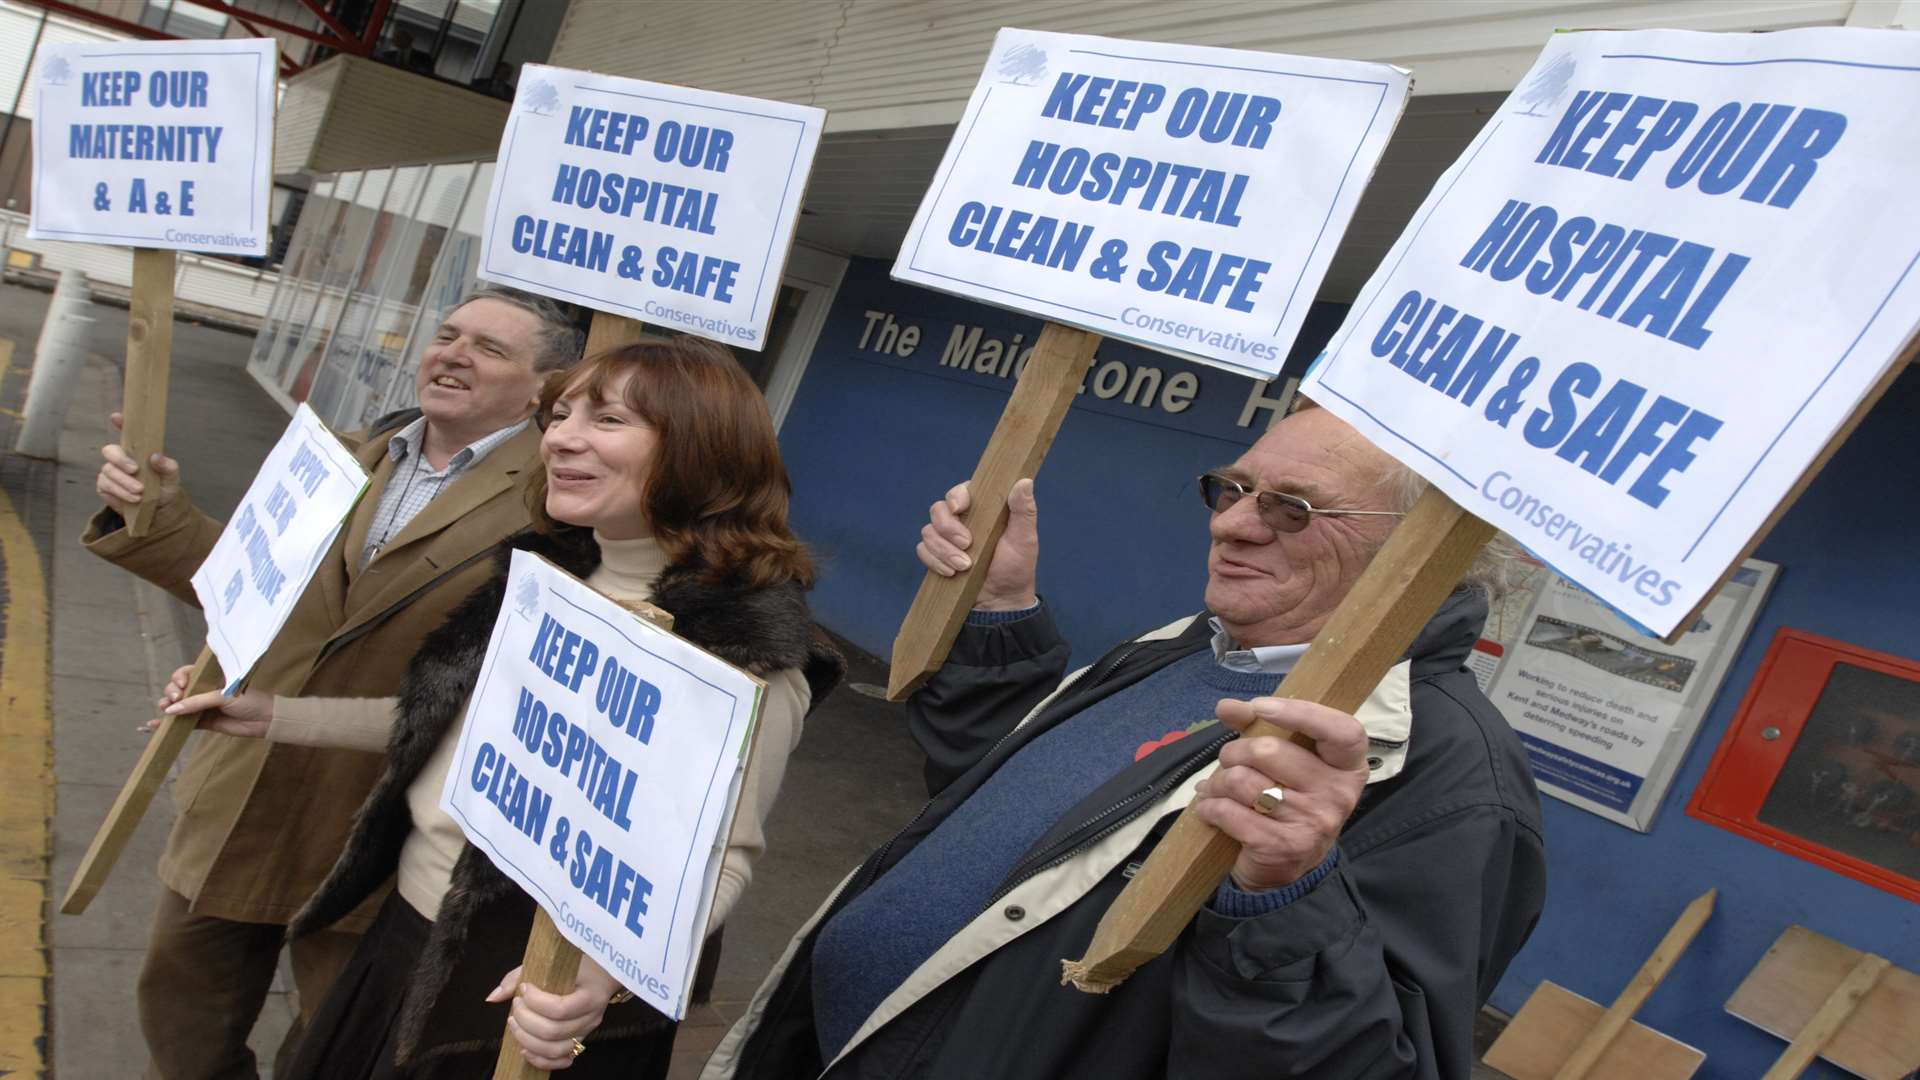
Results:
<point x="1269" y="800"/>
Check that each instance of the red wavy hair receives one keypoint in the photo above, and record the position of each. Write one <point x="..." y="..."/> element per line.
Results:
<point x="717" y="494"/>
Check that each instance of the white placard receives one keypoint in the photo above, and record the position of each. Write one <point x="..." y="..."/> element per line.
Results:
<point x="281" y="530"/>
<point x="1605" y="714"/>
<point x="1185" y="198"/>
<point x="666" y="204"/>
<point x="1649" y="292"/>
<point x="599" y="766"/>
<point x="155" y="144"/>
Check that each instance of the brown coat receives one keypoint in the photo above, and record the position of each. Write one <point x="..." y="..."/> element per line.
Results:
<point x="260" y="824"/>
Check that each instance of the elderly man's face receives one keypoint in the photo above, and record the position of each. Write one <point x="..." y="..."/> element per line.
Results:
<point x="477" y="374"/>
<point x="1275" y="588"/>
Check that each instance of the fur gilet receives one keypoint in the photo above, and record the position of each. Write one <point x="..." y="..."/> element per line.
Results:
<point x="481" y="930"/>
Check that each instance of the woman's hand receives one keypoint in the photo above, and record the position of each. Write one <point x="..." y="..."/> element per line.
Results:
<point x="247" y="714"/>
<point x="546" y="1025"/>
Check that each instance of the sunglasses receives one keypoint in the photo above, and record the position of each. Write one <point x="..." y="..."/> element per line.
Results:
<point x="1278" y="511"/>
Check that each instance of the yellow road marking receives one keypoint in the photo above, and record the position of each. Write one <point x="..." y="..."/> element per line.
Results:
<point x="26" y="802"/>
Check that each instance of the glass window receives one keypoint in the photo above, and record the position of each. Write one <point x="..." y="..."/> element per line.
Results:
<point x="353" y="370"/>
<point x="347" y="243"/>
<point x="321" y="223"/>
<point x="459" y="200"/>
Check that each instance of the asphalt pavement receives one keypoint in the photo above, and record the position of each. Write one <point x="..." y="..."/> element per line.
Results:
<point x="114" y="640"/>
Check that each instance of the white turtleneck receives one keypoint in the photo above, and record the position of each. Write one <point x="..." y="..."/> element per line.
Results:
<point x="627" y="572"/>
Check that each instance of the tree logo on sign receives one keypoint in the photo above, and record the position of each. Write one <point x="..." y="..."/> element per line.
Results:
<point x="526" y="596"/>
<point x="1024" y="65"/>
<point x="1546" y="87"/>
<point x="57" y="72"/>
<point x="541" y="98"/>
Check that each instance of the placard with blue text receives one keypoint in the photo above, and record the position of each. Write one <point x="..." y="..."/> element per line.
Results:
<point x="1651" y="290"/>
<point x="155" y="144"/>
<point x="1186" y="198"/>
<point x="666" y="204"/>
<point x="281" y="530"/>
<point x="599" y="767"/>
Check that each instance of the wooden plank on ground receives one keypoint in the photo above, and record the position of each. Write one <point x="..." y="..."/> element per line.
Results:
<point x="1542" y="1035"/>
<point x="1880" y="1040"/>
<point x="162" y="748"/>
<point x="1414" y="572"/>
<point x="149" y="359"/>
<point x="1019" y="444"/>
<point x="1681" y="934"/>
<point x="1833" y="1013"/>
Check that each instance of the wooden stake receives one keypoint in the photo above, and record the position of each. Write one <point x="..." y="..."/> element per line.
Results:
<point x="1019" y="444"/>
<point x="1405" y="584"/>
<point x="143" y="428"/>
<point x="1825" y="1023"/>
<point x="551" y="962"/>
<point x="1616" y="1018"/>
<point x="612" y="331"/>
<point x="155" y="761"/>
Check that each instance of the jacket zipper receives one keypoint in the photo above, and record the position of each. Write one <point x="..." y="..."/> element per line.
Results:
<point x="1075" y="842"/>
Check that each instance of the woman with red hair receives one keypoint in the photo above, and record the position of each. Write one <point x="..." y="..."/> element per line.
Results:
<point x="663" y="482"/>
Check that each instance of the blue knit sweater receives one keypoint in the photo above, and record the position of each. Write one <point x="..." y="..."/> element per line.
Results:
<point x="870" y="947"/>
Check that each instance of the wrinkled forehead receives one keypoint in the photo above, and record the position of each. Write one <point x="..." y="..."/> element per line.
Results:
<point x="496" y="319"/>
<point x="1319" y="457"/>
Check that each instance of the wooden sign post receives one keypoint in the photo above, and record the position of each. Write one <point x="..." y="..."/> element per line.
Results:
<point x="143" y="414"/>
<point x="143" y="427"/>
<point x="1019" y="444"/>
<point x="156" y="760"/>
<point x="551" y="962"/>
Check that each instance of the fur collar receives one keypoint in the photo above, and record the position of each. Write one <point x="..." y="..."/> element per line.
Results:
<point x="761" y="630"/>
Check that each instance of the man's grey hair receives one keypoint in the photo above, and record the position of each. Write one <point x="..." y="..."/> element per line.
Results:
<point x="1501" y="565"/>
<point x="558" y="343"/>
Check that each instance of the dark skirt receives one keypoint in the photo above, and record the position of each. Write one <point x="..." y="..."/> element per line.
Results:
<point x="354" y="1035"/>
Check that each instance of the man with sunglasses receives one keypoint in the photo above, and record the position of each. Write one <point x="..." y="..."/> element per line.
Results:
<point x="1387" y="874"/>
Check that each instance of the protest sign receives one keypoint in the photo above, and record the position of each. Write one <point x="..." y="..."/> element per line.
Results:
<point x="1646" y="299"/>
<point x="666" y="204"/>
<point x="165" y="146"/>
<point x="1554" y="212"/>
<point x="1185" y="198"/>
<point x="598" y="766"/>
<point x="247" y="586"/>
<point x="1605" y="713"/>
<point x="155" y="144"/>
<point x="281" y="530"/>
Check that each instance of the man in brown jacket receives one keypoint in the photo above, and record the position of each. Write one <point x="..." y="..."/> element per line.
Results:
<point x="261" y="823"/>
